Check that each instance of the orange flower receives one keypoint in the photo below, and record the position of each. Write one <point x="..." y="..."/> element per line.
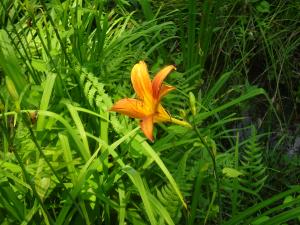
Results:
<point x="147" y="107"/>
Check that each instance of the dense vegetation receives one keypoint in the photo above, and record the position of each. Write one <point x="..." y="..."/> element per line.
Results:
<point x="66" y="158"/>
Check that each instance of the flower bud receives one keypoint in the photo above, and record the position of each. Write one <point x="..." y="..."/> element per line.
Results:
<point x="182" y="113"/>
<point x="192" y="103"/>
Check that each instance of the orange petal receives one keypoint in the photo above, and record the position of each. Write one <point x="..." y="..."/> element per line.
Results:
<point x="131" y="107"/>
<point x="161" y="115"/>
<point x="164" y="90"/>
<point x="147" y="127"/>
<point x="141" y="81"/>
<point x="159" y="78"/>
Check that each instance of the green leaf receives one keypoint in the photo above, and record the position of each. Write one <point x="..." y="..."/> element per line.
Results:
<point x="288" y="199"/>
<point x="9" y="62"/>
<point x="254" y="209"/>
<point x="49" y="83"/>
<point x="138" y="182"/>
<point x="230" y="172"/>
<point x="263" y="7"/>
<point x="148" y="151"/>
<point x="261" y="220"/>
<point x="39" y="65"/>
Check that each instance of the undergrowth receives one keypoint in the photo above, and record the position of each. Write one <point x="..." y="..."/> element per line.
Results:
<point x="66" y="158"/>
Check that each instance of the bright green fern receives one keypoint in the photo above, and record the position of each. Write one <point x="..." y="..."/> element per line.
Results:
<point x="253" y="166"/>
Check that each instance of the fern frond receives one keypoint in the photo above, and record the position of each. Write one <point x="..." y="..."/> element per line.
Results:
<point x="91" y="95"/>
<point x="95" y="93"/>
<point x="169" y="199"/>
<point x="252" y="165"/>
<point x="94" y="90"/>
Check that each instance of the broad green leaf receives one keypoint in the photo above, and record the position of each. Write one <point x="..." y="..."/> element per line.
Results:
<point x="231" y="172"/>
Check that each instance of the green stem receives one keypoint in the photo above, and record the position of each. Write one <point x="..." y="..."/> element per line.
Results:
<point x="215" y="170"/>
<point x="181" y="123"/>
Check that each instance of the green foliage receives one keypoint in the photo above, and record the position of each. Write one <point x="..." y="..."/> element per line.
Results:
<point x="252" y="164"/>
<point x="66" y="159"/>
<point x="248" y="216"/>
<point x="170" y="201"/>
<point x="94" y="91"/>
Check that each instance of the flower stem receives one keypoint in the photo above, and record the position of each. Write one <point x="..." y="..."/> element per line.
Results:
<point x="181" y="122"/>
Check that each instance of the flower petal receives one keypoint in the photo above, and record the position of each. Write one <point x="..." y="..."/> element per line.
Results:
<point x="131" y="107"/>
<point x="159" y="78"/>
<point x="164" y="90"/>
<point x="161" y="115"/>
<point x="147" y="127"/>
<point x="141" y="82"/>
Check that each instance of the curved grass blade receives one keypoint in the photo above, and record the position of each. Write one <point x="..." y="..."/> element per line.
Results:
<point x="148" y="151"/>
<point x="136" y="179"/>
<point x="250" y="211"/>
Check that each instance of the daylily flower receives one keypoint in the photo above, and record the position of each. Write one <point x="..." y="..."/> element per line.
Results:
<point x="147" y="106"/>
